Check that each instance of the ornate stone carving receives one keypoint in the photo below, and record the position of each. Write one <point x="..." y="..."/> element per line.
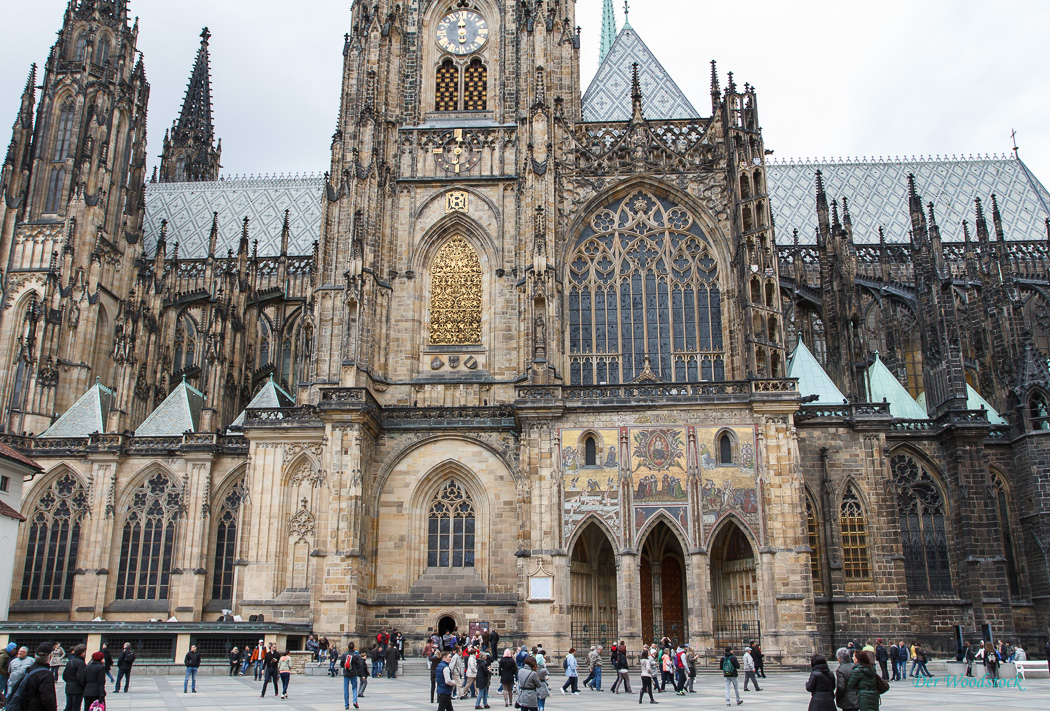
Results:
<point x="455" y="297"/>
<point x="301" y="524"/>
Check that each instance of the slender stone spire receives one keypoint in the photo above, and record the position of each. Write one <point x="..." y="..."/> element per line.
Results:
<point x="608" y="30"/>
<point x="196" y="107"/>
<point x="190" y="152"/>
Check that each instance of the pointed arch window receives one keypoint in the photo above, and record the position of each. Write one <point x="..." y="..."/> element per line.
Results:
<point x="186" y="346"/>
<point x="226" y="543"/>
<point x="102" y="53"/>
<point x="644" y="299"/>
<point x="856" y="556"/>
<point x="725" y="449"/>
<point x="817" y="551"/>
<point x="265" y="340"/>
<point x="1038" y="412"/>
<point x="447" y="87"/>
<point x="590" y="452"/>
<point x="54" y="540"/>
<point x="147" y="545"/>
<point x="1006" y="527"/>
<point x="455" y="295"/>
<point x="920" y="508"/>
<point x="80" y="48"/>
<point x="63" y="132"/>
<point x="450" y="528"/>
<point x="475" y="87"/>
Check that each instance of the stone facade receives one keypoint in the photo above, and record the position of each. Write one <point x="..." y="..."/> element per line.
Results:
<point x="541" y="368"/>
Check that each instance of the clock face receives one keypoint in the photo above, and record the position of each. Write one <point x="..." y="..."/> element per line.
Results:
<point x="462" y="32"/>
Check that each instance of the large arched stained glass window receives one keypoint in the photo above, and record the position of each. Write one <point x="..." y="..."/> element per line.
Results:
<point x="856" y="556"/>
<point x="643" y="281"/>
<point x="813" y="537"/>
<point x="53" y="541"/>
<point x="147" y="545"/>
<point x="226" y="544"/>
<point x="920" y="506"/>
<point x="450" y="529"/>
<point x="455" y="295"/>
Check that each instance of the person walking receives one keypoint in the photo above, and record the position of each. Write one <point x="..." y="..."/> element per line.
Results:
<point x="470" y="665"/>
<point x="71" y="675"/>
<point x="361" y="665"/>
<point x="690" y="660"/>
<point x="648" y="669"/>
<point x="125" y="662"/>
<point x="760" y="659"/>
<point x="193" y="663"/>
<point x="821" y="685"/>
<point x="107" y="661"/>
<point x="508" y="672"/>
<point x="374" y="654"/>
<point x="483" y="680"/>
<point x="93" y="680"/>
<point x="433" y="659"/>
<point x="258" y="658"/>
<point x="749" y="670"/>
<point x="730" y="666"/>
<point x="572" y="673"/>
<point x="271" y="660"/>
<point x="594" y="664"/>
<point x="920" y="655"/>
<point x="893" y="652"/>
<point x="529" y="686"/>
<point x="914" y="659"/>
<point x="446" y="684"/>
<point x="246" y="660"/>
<point x="57" y="659"/>
<point x="665" y="668"/>
<point x="881" y="656"/>
<point x="865" y="683"/>
<point x="284" y="670"/>
<point x="346" y="663"/>
<point x="1046" y="651"/>
<point x="845" y="699"/>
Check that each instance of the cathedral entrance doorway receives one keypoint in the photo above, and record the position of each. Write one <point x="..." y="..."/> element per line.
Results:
<point x="663" y="595"/>
<point x="593" y="581"/>
<point x="446" y="625"/>
<point x="734" y="584"/>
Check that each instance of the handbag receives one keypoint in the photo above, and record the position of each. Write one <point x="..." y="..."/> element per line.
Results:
<point x="881" y="685"/>
<point x="98" y="705"/>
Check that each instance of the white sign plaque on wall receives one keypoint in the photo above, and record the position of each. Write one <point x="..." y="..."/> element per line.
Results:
<point x="541" y="588"/>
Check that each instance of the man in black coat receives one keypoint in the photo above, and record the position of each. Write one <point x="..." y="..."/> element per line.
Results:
<point x="494" y="643"/>
<point x="39" y="693"/>
<point x="93" y="679"/>
<point x="124" y="663"/>
<point x="881" y="655"/>
<point x="391" y="661"/>
<point x="71" y="675"/>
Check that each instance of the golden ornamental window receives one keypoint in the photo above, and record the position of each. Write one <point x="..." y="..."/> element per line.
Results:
<point x="475" y="87"/>
<point x="855" y="553"/>
<point x="447" y="90"/>
<point x="455" y="295"/>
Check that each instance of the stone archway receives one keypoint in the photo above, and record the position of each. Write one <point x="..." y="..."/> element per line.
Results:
<point x="734" y="588"/>
<point x="593" y="584"/>
<point x="663" y="594"/>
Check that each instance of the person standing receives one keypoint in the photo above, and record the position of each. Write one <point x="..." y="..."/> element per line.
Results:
<point x="19" y="666"/>
<point x="572" y="673"/>
<point x="647" y="670"/>
<point x="845" y="699"/>
<point x="690" y="660"/>
<point x="193" y="663"/>
<point x="333" y="659"/>
<point x="821" y="685"/>
<point x="730" y="666"/>
<point x="749" y="670"/>
<point x="71" y="675"/>
<point x="392" y="656"/>
<point x="483" y="680"/>
<point x="991" y="663"/>
<point x="361" y="665"/>
<point x="893" y="652"/>
<point x="5" y="664"/>
<point x="881" y="655"/>
<point x="375" y="659"/>
<point x="494" y="643"/>
<point x="284" y="670"/>
<point x="57" y="659"/>
<point x="665" y="668"/>
<point x="38" y="682"/>
<point x="864" y="682"/>
<point x="433" y="659"/>
<point x="257" y="659"/>
<point x="125" y="662"/>
<point x="902" y="660"/>
<point x="528" y="686"/>
<point x="679" y="671"/>
<point x="968" y="657"/>
<point x="93" y="680"/>
<point x="446" y="685"/>
<point x="455" y="669"/>
<point x="271" y="661"/>
<point x="508" y="671"/>
<point x="760" y="660"/>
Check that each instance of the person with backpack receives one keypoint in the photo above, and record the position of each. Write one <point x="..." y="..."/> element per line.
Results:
<point x="93" y="679"/>
<point x="124" y="663"/>
<point x="34" y="690"/>
<point x="679" y="671"/>
<point x="71" y="675"/>
<point x="749" y="670"/>
<point x="349" y="675"/>
<point x="730" y="666"/>
<point x="572" y="673"/>
<point x="865" y="682"/>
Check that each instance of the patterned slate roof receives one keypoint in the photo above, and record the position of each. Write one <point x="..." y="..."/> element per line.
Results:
<point x="877" y="191"/>
<point x="608" y="98"/>
<point x="883" y="385"/>
<point x="812" y="379"/>
<point x="188" y="208"/>
<point x="270" y="395"/>
<point x="180" y="412"/>
<point x="974" y="401"/>
<point x="86" y="416"/>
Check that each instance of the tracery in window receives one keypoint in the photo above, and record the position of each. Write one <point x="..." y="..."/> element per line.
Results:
<point x="1006" y="528"/>
<point x="147" y="546"/>
<point x="53" y="540"/>
<point x="455" y="295"/>
<point x="815" y="557"/>
<point x="102" y="54"/>
<point x="56" y="181"/>
<point x="450" y="528"/>
<point x="1038" y="411"/>
<point x="226" y="543"/>
<point x="186" y="346"/>
<point x="80" y="48"/>
<point x="856" y="557"/>
<point x="63" y="131"/>
<point x="475" y="87"/>
<point x="920" y="506"/>
<point x="643" y="282"/>
<point x="447" y="87"/>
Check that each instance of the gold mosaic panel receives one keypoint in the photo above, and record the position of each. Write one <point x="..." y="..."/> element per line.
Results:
<point x="455" y="295"/>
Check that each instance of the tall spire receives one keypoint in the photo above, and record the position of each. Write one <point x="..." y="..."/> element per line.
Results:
<point x="191" y="153"/>
<point x="608" y="30"/>
<point x="196" y="107"/>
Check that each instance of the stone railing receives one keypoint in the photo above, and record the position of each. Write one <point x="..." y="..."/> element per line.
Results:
<point x="287" y="416"/>
<point x="641" y="393"/>
<point x="844" y="411"/>
<point x="499" y="417"/>
<point x="346" y="398"/>
<point x="127" y="444"/>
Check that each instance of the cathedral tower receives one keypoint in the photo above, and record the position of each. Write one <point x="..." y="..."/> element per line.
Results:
<point x="190" y="152"/>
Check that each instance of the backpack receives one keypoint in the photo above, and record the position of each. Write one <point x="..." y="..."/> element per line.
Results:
<point x="679" y="663"/>
<point x="349" y="659"/>
<point x="16" y="697"/>
<point x="727" y="666"/>
<point x="565" y="663"/>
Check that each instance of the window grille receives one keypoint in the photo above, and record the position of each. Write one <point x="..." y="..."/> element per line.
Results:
<point x="147" y="546"/>
<point x="148" y="648"/>
<point x="32" y="641"/>
<point x="455" y="295"/>
<point x="450" y="532"/>
<point x="53" y="541"/>
<point x="475" y="87"/>
<point x="856" y="557"/>
<point x="447" y="89"/>
<point x="216" y="648"/>
<point x="920" y="506"/>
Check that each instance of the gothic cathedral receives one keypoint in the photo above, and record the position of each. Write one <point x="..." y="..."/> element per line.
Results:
<point x="529" y="354"/>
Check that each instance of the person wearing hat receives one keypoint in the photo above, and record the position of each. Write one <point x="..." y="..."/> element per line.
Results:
<point x="93" y="680"/>
<point x="71" y="675"/>
<point x="5" y="663"/>
<point x="39" y="684"/>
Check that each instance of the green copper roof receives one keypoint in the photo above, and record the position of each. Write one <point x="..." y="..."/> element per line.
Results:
<point x="812" y="379"/>
<point x="86" y="416"/>
<point x="608" y="30"/>
<point x="883" y="385"/>
<point x="180" y="412"/>
<point x="270" y="395"/>
<point x="974" y="401"/>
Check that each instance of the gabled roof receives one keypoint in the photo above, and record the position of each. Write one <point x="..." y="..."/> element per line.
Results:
<point x="87" y="415"/>
<point x="608" y="98"/>
<point x="812" y="379"/>
<point x="270" y="395"/>
<point x="974" y="401"/>
<point x="180" y="412"/>
<point x="877" y="191"/>
<point x="12" y="454"/>
<point x="188" y="209"/>
<point x="883" y="385"/>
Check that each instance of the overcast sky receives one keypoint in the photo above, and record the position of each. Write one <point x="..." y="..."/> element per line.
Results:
<point x="834" y="78"/>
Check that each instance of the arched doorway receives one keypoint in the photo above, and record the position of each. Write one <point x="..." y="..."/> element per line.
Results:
<point x="663" y="595"/>
<point x="445" y="625"/>
<point x="734" y="586"/>
<point x="593" y="581"/>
